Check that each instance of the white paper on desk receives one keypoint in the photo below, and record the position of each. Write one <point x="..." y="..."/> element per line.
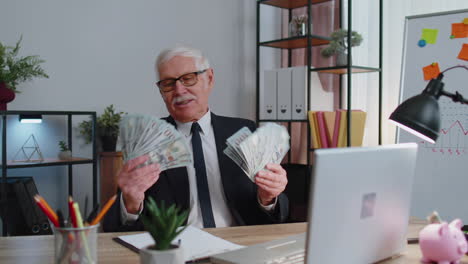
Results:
<point x="195" y="242"/>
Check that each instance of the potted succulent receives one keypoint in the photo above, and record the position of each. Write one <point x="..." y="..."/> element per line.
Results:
<point x="15" y="70"/>
<point x="65" y="152"/>
<point x="107" y="128"/>
<point x="164" y="224"/>
<point x="339" y="45"/>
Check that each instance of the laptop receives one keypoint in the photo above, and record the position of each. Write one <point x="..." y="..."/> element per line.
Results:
<point x="358" y="210"/>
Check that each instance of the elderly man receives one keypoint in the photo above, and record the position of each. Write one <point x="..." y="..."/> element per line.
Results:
<point x="214" y="189"/>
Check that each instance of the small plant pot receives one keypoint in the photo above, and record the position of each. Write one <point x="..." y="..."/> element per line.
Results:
<point x="65" y="155"/>
<point x="341" y="59"/>
<point x="149" y="255"/>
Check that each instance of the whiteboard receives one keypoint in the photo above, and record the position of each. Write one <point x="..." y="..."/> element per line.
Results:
<point x="441" y="181"/>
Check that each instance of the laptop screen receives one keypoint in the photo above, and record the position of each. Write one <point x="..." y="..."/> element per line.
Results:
<point x="359" y="203"/>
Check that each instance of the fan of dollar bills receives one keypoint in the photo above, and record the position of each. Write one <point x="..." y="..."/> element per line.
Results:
<point x="253" y="151"/>
<point x="143" y="134"/>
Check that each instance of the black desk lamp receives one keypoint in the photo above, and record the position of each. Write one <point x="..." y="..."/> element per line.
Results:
<point x="420" y="114"/>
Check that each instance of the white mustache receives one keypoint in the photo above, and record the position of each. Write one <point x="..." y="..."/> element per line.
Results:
<point x="184" y="97"/>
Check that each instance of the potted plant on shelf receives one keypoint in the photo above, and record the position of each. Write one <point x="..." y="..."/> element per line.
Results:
<point x="339" y="45"/>
<point x="107" y="126"/>
<point x="15" y="70"/>
<point x="164" y="224"/>
<point x="65" y="152"/>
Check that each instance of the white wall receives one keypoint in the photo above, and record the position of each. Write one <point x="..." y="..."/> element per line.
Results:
<point x="102" y="52"/>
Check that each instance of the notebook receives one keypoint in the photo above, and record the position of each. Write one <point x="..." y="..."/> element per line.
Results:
<point x="358" y="210"/>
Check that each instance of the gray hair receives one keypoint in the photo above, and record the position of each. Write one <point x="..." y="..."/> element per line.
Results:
<point x="201" y="62"/>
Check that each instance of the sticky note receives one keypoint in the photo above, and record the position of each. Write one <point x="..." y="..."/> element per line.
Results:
<point x="421" y="43"/>
<point x="459" y="30"/>
<point x="463" y="55"/>
<point x="431" y="71"/>
<point x="429" y="35"/>
<point x="465" y="21"/>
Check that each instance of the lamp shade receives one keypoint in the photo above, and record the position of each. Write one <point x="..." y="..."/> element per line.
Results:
<point x="419" y="115"/>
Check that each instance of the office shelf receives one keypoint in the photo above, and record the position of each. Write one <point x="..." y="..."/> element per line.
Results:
<point x="48" y="161"/>
<point x="344" y="69"/>
<point x="311" y="44"/>
<point x="288" y="4"/>
<point x="296" y="42"/>
<point x="281" y="120"/>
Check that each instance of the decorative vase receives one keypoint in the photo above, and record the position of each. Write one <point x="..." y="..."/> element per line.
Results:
<point x="170" y="256"/>
<point x="341" y="59"/>
<point x="65" y="155"/>
<point x="6" y="96"/>
<point x="297" y="29"/>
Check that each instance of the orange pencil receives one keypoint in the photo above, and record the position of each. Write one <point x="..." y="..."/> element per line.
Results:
<point x="47" y="211"/>
<point x="104" y="210"/>
<point x="44" y="202"/>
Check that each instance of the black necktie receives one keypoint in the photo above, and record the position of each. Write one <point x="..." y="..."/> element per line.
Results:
<point x="202" y="181"/>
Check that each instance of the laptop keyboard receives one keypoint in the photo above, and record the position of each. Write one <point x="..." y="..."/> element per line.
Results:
<point x="296" y="257"/>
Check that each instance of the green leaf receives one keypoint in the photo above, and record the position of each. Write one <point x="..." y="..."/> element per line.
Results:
<point x="162" y="222"/>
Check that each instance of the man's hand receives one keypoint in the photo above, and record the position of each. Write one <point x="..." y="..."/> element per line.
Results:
<point x="134" y="181"/>
<point x="270" y="182"/>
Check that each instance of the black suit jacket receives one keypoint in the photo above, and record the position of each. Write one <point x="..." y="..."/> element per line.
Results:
<point x="241" y="193"/>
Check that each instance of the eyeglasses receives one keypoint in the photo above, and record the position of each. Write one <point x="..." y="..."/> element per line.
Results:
<point x="188" y="79"/>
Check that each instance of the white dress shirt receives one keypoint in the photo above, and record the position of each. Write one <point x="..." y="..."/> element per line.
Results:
<point x="222" y="214"/>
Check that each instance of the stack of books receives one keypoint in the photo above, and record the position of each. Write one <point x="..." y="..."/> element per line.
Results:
<point x="329" y="128"/>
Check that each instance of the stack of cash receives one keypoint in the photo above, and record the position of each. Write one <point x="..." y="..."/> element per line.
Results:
<point x="147" y="135"/>
<point x="252" y="151"/>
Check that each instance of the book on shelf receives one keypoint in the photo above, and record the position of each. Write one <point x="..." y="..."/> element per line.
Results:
<point x="329" y="129"/>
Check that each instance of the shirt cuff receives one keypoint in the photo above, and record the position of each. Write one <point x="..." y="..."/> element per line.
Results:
<point x="268" y="208"/>
<point x="126" y="217"/>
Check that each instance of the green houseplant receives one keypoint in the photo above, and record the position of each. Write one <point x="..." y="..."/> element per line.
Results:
<point x="65" y="152"/>
<point x="339" y="45"/>
<point x="14" y="70"/>
<point x="164" y="224"/>
<point x="107" y="126"/>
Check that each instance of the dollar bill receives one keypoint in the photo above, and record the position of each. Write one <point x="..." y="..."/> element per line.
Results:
<point x="147" y="135"/>
<point x="253" y="151"/>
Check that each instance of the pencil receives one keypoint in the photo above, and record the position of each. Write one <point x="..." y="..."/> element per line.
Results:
<point x="50" y="214"/>
<point x="44" y="202"/>
<point x="71" y="212"/>
<point x="104" y="210"/>
<point x="79" y="222"/>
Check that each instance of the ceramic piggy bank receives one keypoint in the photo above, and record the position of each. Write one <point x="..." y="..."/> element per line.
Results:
<point x="442" y="243"/>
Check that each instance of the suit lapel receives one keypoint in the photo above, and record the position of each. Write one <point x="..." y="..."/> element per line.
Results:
<point x="221" y="134"/>
<point x="178" y="179"/>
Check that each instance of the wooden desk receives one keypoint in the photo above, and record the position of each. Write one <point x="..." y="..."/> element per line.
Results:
<point x="40" y="249"/>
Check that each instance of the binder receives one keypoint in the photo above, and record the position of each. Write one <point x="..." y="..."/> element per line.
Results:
<point x="284" y="93"/>
<point x="299" y="93"/>
<point x="268" y="92"/>
<point x="41" y="218"/>
<point x="21" y="214"/>
<point x="28" y="214"/>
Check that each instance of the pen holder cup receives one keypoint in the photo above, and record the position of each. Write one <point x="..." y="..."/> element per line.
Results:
<point x="76" y="245"/>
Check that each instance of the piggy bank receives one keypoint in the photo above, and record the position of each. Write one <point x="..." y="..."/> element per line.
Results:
<point x="442" y="243"/>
